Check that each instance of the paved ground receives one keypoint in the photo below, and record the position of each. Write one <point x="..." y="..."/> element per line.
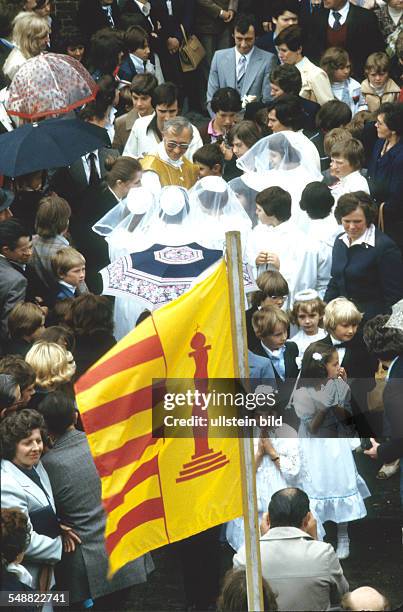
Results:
<point x="376" y="552"/>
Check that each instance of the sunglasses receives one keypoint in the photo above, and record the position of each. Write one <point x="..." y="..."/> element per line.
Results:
<point x="171" y="144"/>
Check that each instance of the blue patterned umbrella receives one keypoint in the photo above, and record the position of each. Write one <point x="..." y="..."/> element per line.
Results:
<point x="158" y="275"/>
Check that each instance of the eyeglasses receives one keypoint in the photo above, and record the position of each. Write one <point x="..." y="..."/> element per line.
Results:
<point x="171" y="144"/>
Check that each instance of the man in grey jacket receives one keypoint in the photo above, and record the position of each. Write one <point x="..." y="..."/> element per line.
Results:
<point x="76" y="488"/>
<point x="306" y="574"/>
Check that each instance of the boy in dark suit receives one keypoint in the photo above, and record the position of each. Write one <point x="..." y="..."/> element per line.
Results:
<point x="68" y="266"/>
<point x="270" y="325"/>
<point x="341" y="321"/>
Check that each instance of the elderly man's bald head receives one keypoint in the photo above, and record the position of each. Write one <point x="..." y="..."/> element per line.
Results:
<point x="364" y="598"/>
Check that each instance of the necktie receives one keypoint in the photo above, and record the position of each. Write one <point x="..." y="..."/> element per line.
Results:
<point x="241" y="68"/>
<point x="342" y="345"/>
<point x="337" y="24"/>
<point x="94" y="176"/>
<point x="108" y="11"/>
<point x="345" y="96"/>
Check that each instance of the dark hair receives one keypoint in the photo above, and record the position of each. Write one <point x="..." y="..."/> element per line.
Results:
<point x="8" y="385"/>
<point x="234" y="596"/>
<point x="275" y="201"/>
<point x="166" y="93"/>
<point x="143" y="84"/>
<point x="280" y="144"/>
<point x="227" y="100"/>
<point x="312" y="369"/>
<point x="209" y="155"/>
<point x="95" y="109"/>
<point x="90" y="314"/>
<point x="59" y="334"/>
<point x="287" y="77"/>
<point x="243" y="22"/>
<point x="393" y="116"/>
<point x="15" y="534"/>
<point x="317" y="200"/>
<point x="15" y="365"/>
<point x="279" y="7"/>
<point x="288" y="111"/>
<point x="58" y="410"/>
<point x="60" y="311"/>
<point x="271" y="283"/>
<point x="73" y="38"/>
<point x="332" y="114"/>
<point x="384" y="342"/>
<point x="291" y="36"/>
<point x="105" y="47"/>
<point x="349" y="202"/>
<point x="107" y="86"/>
<point x="11" y="231"/>
<point x="288" y="508"/>
<point x="135" y="38"/>
<point x="120" y="169"/>
<point x="247" y="131"/>
<point x="52" y="217"/>
<point x="17" y="426"/>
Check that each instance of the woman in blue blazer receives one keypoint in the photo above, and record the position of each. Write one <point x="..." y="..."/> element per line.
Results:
<point x="385" y="169"/>
<point x="367" y="265"/>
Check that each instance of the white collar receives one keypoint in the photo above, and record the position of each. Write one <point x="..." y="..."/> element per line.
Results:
<point x="114" y="194"/>
<point x="144" y="8"/>
<point x="239" y="55"/>
<point x="163" y="155"/>
<point x="138" y="63"/>
<point x="343" y="11"/>
<point x="390" y="367"/>
<point x="71" y="287"/>
<point x="367" y="238"/>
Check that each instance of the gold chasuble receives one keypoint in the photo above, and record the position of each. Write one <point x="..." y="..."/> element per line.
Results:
<point x="185" y="176"/>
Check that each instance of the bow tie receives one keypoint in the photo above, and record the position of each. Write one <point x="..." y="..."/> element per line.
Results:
<point x="342" y="345"/>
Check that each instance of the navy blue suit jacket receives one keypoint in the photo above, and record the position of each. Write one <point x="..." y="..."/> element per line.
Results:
<point x="393" y="406"/>
<point x="372" y="277"/>
<point x="386" y="182"/>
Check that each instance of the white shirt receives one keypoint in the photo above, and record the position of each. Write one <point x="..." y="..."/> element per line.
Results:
<point x="142" y="141"/>
<point x="302" y="263"/>
<point x="139" y="64"/>
<point x="367" y="238"/>
<point x="343" y="12"/>
<point x="302" y="340"/>
<point x="340" y="351"/>
<point x="348" y="184"/>
<point x="87" y="164"/>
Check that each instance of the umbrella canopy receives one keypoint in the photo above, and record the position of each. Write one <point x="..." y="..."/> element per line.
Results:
<point x="396" y="319"/>
<point x="53" y="143"/>
<point x="49" y="84"/>
<point x="158" y="275"/>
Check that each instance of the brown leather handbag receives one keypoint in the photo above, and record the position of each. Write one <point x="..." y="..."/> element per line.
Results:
<point x="191" y="52"/>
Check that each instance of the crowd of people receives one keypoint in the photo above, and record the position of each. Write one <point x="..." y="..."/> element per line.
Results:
<point x="286" y="125"/>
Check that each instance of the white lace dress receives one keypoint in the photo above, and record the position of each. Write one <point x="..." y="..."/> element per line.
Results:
<point x="270" y="479"/>
<point x="335" y="489"/>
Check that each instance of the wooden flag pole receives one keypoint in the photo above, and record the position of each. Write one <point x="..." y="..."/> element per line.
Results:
<point x="240" y="350"/>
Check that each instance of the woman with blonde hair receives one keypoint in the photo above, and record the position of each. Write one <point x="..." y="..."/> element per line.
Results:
<point x="54" y="368"/>
<point x="30" y="36"/>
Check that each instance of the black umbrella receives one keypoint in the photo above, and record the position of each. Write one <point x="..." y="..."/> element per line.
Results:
<point x="53" y="143"/>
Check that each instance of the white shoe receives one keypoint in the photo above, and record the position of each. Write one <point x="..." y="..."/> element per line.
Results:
<point x="343" y="548"/>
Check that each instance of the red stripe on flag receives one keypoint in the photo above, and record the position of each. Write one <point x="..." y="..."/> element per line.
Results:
<point x="122" y="408"/>
<point x="149" y="510"/>
<point x="107" y="463"/>
<point x="141" y="352"/>
<point x="147" y="469"/>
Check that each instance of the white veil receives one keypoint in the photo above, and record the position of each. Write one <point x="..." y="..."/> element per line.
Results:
<point x="219" y="211"/>
<point x="283" y="160"/>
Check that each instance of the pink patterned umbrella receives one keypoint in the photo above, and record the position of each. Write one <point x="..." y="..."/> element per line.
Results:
<point x="49" y="84"/>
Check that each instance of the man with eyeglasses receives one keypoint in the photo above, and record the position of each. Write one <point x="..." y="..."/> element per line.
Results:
<point x="146" y="133"/>
<point x="168" y="164"/>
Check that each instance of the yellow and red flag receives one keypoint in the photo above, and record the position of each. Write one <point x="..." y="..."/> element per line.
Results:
<point x="160" y="490"/>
